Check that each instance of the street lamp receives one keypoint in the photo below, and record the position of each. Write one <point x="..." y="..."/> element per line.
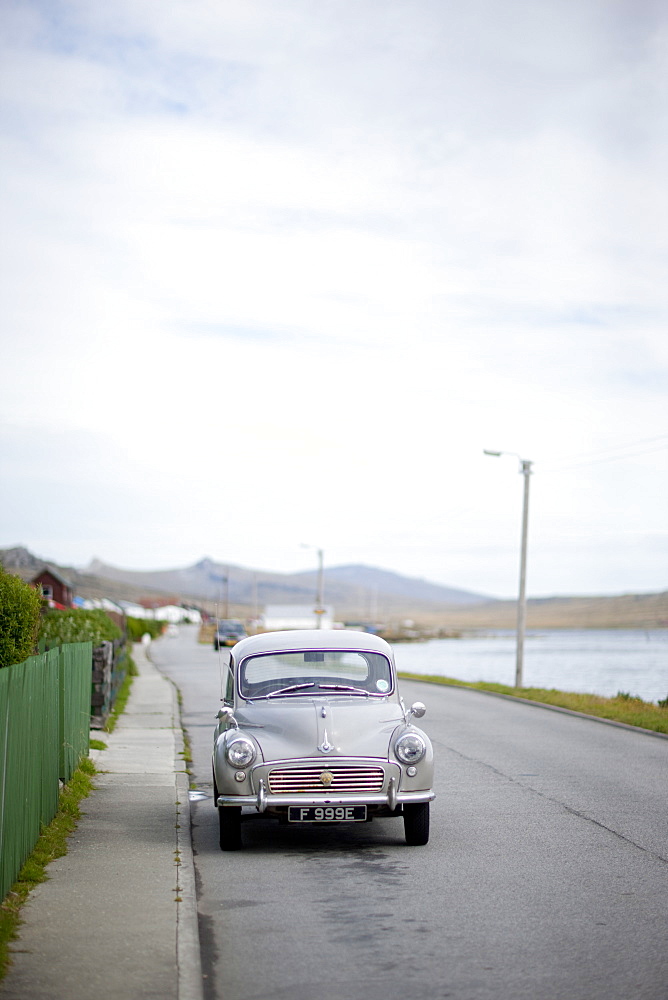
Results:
<point x="319" y="610"/>
<point x="524" y="470"/>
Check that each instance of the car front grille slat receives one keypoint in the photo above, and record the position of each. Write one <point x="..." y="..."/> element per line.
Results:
<point x="306" y="778"/>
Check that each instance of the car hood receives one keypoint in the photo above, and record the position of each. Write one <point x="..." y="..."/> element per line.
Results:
<point x="289" y="728"/>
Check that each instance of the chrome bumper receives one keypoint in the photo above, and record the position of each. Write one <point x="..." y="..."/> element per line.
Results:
<point x="265" y="800"/>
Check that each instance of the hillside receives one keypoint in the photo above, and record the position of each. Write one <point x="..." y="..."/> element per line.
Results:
<point x="358" y="593"/>
<point x="355" y="591"/>
<point x="623" y="611"/>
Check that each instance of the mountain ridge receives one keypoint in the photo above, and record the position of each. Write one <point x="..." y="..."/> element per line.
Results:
<point x="365" y="590"/>
<point x="211" y="580"/>
<point x="646" y="610"/>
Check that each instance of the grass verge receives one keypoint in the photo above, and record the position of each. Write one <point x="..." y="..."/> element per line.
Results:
<point x="52" y="844"/>
<point x="622" y="708"/>
<point x="186" y="753"/>
<point x="122" y="697"/>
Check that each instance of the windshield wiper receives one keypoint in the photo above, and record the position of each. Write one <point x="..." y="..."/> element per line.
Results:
<point x="293" y="687"/>
<point x="342" y="687"/>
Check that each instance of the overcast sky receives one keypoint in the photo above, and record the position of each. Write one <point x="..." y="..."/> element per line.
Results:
<point x="277" y="271"/>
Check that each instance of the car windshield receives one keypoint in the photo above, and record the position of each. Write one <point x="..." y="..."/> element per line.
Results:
<point x="315" y="672"/>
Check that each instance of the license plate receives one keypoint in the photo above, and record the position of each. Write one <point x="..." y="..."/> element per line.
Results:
<point x="326" y="814"/>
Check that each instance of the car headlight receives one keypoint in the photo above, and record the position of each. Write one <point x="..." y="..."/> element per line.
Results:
<point x="410" y="748"/>
<point x="240" y="752"/>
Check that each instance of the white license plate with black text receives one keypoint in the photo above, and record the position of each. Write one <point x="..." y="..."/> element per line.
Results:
<point x="327" y="814"/>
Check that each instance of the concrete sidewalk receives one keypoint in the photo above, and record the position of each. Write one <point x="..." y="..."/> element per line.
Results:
<point x="118" y="917"/>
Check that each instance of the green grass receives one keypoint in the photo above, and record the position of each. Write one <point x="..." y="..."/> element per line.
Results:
<point x="187" y="745"/>
<point x="52" y="844"/>
<point x="122" y="697"/>
<point x="97" y="745"/>
<point x="622" y="708"/>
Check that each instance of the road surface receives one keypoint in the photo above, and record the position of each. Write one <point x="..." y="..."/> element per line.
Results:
<point x="546" y="876"/>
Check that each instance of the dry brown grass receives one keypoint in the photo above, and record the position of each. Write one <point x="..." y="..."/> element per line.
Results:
<point x="206" y="634"/>
<point x="627" y="611"/>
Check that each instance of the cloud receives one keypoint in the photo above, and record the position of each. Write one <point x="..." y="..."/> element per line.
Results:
<point x="289" y="269"/>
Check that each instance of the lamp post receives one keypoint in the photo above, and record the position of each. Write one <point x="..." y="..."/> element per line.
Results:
<point x="319" y="610"/>
<point x="524" y="470"/>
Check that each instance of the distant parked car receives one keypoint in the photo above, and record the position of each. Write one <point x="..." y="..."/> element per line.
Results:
<point x="313" y="730"/>
<point x="228" y="633"/>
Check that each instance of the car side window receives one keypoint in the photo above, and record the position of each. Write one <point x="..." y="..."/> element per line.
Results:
<point x="229" y="688"/>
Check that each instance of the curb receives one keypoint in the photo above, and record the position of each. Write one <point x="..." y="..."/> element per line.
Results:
<point x="188" y="952"/>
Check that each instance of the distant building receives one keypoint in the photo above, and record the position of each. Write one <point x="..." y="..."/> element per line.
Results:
<point x="286" y="616"/>
<point x="57" y="591"/>
<point x="176" y="615"/>
<point x="101" y="604"/>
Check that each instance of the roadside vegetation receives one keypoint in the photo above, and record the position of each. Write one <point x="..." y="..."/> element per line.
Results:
<point x="77" y="625"/>
<point x="52" y="844"/>
<point x="623" y="707"/>
<point x="137" y="627"/>
<point x="122" y="696"/>
<point x="20" y="607"/>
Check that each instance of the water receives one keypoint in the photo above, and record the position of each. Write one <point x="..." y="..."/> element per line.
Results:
<point x="596" y="661"/>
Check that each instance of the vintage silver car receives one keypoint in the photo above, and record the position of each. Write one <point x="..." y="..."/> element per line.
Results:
<point x="313" y="730"/>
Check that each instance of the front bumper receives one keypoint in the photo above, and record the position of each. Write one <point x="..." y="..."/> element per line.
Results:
<point x="265" y="800"/>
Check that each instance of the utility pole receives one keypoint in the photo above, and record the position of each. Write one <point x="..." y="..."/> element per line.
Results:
<point x="319" y="610"/>
<point x="320" y="586"/>
<point x="524" y="470"/>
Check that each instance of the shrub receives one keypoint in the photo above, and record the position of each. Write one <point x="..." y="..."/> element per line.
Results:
<point x="20" y="607"/>
<point x="78" y="626"/>
<point x="137" y="627"/>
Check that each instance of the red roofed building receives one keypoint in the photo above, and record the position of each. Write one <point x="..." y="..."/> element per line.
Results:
<point x="57" y="591"/>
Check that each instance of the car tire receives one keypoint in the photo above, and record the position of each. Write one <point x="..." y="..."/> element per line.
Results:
<point x="416" y="823"/>
<point x="229" y="818"/>
<point x="215" y="645"/>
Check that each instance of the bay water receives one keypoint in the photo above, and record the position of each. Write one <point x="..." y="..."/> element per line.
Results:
<point x="596" y="661"/>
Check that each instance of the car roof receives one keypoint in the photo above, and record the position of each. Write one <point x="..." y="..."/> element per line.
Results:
<point x="301" y="639"/>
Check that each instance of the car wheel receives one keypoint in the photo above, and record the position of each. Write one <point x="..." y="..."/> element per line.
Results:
<point x="416" y="823"/>
<point x="215" y="644"/>
<point x="229" y="818"/>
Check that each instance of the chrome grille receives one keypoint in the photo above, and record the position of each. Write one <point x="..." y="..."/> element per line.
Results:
<point x="306" y="778"/>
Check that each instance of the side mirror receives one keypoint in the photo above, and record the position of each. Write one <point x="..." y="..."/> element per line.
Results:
<point x="225" y="714"/>
<point x="417" y="709"/>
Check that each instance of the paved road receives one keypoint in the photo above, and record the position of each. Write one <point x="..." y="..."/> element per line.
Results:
<point x="546" y="876"/>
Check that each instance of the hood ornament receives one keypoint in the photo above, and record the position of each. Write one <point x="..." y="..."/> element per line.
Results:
<point x="325" y="746"/>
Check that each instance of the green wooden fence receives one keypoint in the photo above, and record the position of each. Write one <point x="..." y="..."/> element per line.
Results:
<point x="44" y="733"/>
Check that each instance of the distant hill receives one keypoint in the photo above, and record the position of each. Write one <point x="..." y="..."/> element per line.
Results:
<point x="408" y="588"/>
<point x="360" y="593"/>
<point x="619" y="611"/>
<point x="359" y="587"/>
<point x="355" y="591"/>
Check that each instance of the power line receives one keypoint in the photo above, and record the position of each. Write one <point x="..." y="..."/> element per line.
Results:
<point x="616" y="454"/>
